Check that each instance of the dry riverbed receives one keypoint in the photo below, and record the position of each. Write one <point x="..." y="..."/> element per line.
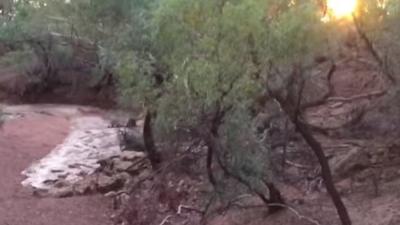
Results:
<point x="40" y="144"/>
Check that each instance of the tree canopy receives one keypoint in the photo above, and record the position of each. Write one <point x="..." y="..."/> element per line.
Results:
<point x="199" y="67"/>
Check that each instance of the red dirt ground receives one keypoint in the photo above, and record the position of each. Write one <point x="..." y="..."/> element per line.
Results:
<point x="23" y="141"/>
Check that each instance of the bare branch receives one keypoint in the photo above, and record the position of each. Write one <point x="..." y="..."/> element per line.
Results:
<point x="297" y="165"/>
<point x="191" y="208"/>
<point x="288" y="107"/>
<point x="370" y="47"/>
<point x="329" y="75"/>
<point x="165" y="220"/>
<point x="356" y="97"/>
<point x="294" y="211"/>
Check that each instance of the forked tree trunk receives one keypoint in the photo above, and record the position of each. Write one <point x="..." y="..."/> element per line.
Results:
<point x="275" y="198"/>
<point x="148" y="139"/>
<point x="325" y="171"/>
<point x="292" y="113"/>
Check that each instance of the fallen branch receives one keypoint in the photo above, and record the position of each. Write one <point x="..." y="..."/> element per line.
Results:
<point x="340" y="146"/>
<point x="234" y="201"/>
<point x="165" y="220"/>
<point x="356" y="97"/>
<point x="294" y="211"/>
<point x="181" y="207"/>
<point x="164" y="167"/>
<point x="297" y="165"/>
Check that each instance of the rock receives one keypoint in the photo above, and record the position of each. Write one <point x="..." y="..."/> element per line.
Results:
<point x="107" y="183"/>
<point x="122" y="166"/>
<point x="40" y="193"/>
<point x="395" y="220"/>
<point x="318" y="85"/>
<point x="355" y="160"/>
<point x="131" y="155"/>
<point x="119" y="198"/>
<point x="364" y="176"/>
<point x="132" y="167"/>
<point x="374" y="159"/>
<point x="50" y="181"/>
<point x="131" y="139"/>
<point x="389" y="174"/>
<point x="61" y="184"/>
<point x="85" y="186"/>
<point x="345" y="186"/>
<point x="63" y="192"/>
<point x="124" y="176"/>
<point x="144" y="173"/>
<point x="339" y="111"/>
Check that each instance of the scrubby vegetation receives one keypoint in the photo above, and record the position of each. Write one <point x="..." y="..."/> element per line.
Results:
<point x="218" y="71"/>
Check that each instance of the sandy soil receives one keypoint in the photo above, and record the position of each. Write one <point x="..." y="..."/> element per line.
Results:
<point x="23" y="141"/>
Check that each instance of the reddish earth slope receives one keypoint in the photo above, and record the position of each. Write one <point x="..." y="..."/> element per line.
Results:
<point x="22" y="142"/>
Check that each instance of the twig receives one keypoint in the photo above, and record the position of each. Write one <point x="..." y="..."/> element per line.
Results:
<point x="356" y="97"/>
<point x="285" y="146"/>
<point x="300" y="216"/>
<point x="371" y="48"/>
<point x="255" y="206"/>
<point x="162" y="168"/>
<point x="181" y="207"/>
<point x="297" y="165"/>
<point x="340" y="146"/>
<point x="234" y="201"/>
<point x="294" y="211"/>
<point x="165" y="220"/>
<point x="322" y="100"/>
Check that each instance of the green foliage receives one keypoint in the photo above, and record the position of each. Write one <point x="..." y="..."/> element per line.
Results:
<point x="380" y="24"/>
<point x="33" y="33"/>
<point x="206" y="53"/>
<point x="187" y="59"/>
<point x="22" y="58"/>
<point x="216" y="50"/>
<point x="136" y="80"/>
<point x="248" y="157"/>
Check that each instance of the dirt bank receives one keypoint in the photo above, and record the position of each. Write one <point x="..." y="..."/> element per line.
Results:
<point x="23" y="141"/>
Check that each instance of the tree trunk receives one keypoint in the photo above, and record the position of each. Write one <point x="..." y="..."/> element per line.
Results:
<point x="275" y="196"/>
<point x="316" y="147"/>
<point x="291" y="106"/>
<point x="148" y="139"/>
<point x="370" y="47"/>
<point x="326" y="172"/>
<point x="210" y="154"/>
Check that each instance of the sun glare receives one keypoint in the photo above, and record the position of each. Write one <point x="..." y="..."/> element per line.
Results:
<point x="341" y="8"/>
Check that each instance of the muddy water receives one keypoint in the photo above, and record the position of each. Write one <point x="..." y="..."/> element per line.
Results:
<point x="89" y="140"/>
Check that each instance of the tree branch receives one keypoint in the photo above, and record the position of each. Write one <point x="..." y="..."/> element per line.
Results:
<point x="289" y="109"/>
<point x="372" y="50"/>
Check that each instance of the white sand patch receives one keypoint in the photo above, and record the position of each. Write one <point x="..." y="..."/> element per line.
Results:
<point x="90" y="140"/>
